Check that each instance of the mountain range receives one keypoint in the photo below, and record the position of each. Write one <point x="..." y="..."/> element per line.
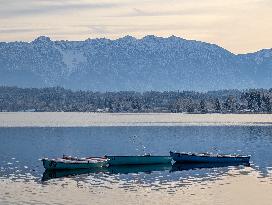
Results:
<point x="150" y="63"/>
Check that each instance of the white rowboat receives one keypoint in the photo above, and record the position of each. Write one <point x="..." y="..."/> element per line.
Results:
<point x="74" y="163"/>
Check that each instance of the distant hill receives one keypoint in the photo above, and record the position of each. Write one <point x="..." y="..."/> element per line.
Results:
<point x="150" y="63"/>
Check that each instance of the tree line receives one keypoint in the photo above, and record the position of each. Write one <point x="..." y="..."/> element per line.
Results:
<point x="56" y="99"/>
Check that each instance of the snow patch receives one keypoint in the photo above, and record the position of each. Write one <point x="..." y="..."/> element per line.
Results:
<point x="72" y="59"/>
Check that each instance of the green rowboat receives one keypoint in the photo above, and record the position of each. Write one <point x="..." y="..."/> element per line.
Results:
<point x="138" y="160"/>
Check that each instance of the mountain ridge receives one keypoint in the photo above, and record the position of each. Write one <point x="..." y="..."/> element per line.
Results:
<point x="128" y="63"/>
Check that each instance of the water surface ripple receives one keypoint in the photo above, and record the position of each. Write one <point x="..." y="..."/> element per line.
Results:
<point x="21" y="149"/>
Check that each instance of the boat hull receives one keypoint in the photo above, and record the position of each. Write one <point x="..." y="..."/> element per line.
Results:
<point x="197" y="158"/>
<point x="138" y="160"/>
<point x="69" y="164"/>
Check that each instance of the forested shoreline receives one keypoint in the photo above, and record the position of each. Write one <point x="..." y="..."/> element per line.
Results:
<point x="56" y="99"/>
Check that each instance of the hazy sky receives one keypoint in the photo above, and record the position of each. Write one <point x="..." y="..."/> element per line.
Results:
<point x="238" y="25"/>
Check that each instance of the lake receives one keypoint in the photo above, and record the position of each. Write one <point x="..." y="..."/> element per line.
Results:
<point x="23" y="180"/>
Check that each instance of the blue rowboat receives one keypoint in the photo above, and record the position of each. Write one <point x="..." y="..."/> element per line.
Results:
<point x="74" y="163"/>
<point x="207" y="158"/>
<point x="138" y="160"/>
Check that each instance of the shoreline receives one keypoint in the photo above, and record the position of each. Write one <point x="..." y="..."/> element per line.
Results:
<point x="76" y="119"/>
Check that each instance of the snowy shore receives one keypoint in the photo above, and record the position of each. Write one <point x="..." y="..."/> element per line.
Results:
<point x="60" y="119"/>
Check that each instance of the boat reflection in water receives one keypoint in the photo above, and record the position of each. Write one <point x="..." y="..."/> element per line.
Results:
<point x="112" y="170"/>
<point x="135" y="169"/>
<point x="192" y="166"/>
<point x="58" y="173"/>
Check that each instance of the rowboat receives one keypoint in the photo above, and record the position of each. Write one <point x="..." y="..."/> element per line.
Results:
<point x="207" y="158"/>
<point x="138" y="160"/>
<point x="74" y="163"/>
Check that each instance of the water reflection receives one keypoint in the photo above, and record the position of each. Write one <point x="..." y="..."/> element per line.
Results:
<point x="20" y="149"/>
<point x="52" y="174"/>
<point x="156" y="177"/>
<point x="193" y="166"/>
<point x="112" y="170"/>
<point x="189" y="186"/>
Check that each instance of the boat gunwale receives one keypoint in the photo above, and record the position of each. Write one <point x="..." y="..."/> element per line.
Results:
<point x="74" y="161"/>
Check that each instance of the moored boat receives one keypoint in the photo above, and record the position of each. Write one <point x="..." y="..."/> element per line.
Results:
<point x="74" y="163"/>
<point x="207" y="158"/>
<point x="138" y="160"/>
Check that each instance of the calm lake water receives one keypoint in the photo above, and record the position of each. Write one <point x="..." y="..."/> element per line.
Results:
<point x="25" y="182"/>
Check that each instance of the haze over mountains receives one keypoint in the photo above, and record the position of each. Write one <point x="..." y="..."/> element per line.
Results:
<point x="150" y="63"/>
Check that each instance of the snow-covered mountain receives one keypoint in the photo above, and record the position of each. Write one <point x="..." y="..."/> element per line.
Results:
<point x="150" y="63"/>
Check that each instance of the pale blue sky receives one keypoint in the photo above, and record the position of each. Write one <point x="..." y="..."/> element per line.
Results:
<point x="238" y="25"/>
